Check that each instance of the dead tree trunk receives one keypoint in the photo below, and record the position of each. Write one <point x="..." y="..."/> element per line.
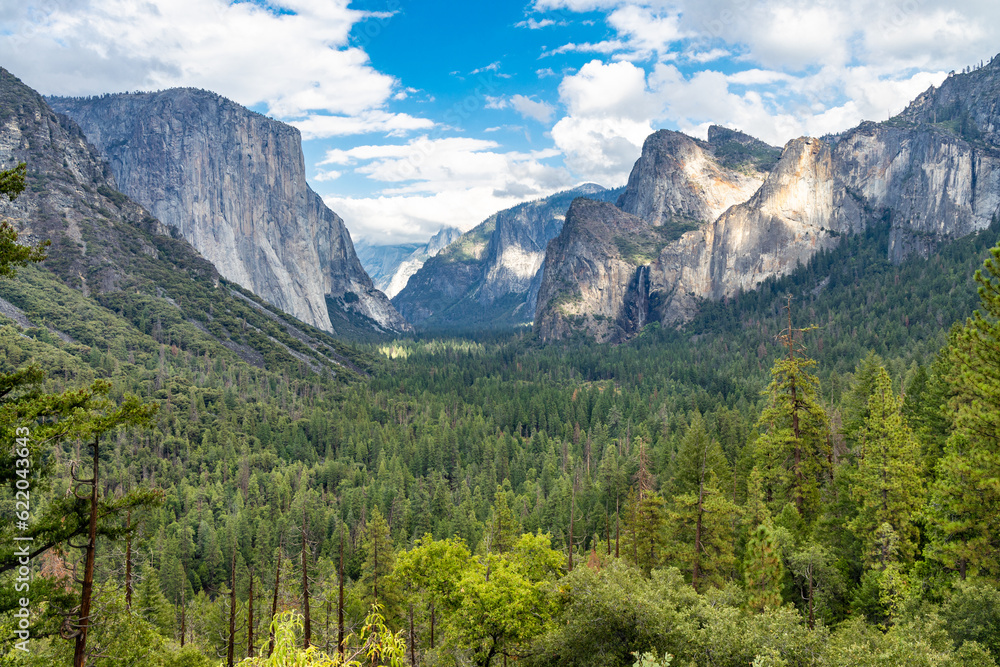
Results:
<point x="183" y="618"/>
<point x="250" y="619"/>
<point x="231" y="649"/>
<point x="128" y="560"/>
<point x="274" y="602"/>
<point x="306" y="623"/>
<point x="572" y="507"/>
<point x="413" y="657"/>
<point x="83" y="622"/>
<point x="340" y="598"/>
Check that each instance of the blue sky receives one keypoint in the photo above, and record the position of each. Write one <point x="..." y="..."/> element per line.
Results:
<point x="419" y="114"/>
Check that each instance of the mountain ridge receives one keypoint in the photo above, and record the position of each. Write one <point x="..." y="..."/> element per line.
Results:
<point x="117" y="279"/>
<point x="390" y="266"/>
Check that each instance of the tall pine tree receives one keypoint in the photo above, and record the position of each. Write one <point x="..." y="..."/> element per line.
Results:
<point x="887" y="482"/>
<point x="964" y="508"/>
<point x="702" y="517"/>
<point x="793" y="451"/>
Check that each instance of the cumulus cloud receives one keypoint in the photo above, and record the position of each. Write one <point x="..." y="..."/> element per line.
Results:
<point x="529" y="108"/>
<point x="429" y="181"/>
<point x="648" y="32"/>
<point x="798" y="34"/>
<point x="526" y="106"/>
<point x="606" y="47"/>
<point x="293" y="61"/>
<point x="319" y="126"/>
<point x="607" y="89"/>
<point x="403" y="219"/>
<point x="609" y="116"/>
<point x="802" y="68"/>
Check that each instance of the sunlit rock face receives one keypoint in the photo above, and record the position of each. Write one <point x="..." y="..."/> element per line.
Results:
<point x="709" y="219"/>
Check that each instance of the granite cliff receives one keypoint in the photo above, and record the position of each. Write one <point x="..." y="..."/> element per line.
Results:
<point x="932" y="174"/>
<point x="232" y="182"/>
<point x="489" y="277"/>
<point x="117" y="281"/>
<point x="678" y="180"/>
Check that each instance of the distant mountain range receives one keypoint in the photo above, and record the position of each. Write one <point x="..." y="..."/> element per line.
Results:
<point x="390" y="266"/>
<point x="489" y="277"/>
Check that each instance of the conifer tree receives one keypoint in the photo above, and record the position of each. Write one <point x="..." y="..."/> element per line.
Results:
<point x="702" y="517"/>
<point x="763" y="570"/>
<point x="379" y="557"/>
<point x="645" y="538"/>
<point x="504" y="527"/>
<point x="793" y="451"/>
<point x="887" y="482"/>
<point x="964" y="508"/>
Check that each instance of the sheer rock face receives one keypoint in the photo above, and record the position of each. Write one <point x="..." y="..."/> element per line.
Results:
<point x="589" y="281"/>
<point x="782" y="225"/>
<point x="963" y="103"/>
<point x="591" y="285"/>
<point x="932" y="173"/>
<point x="233" y="183"/>
<point x="677" y="178"/>
<point x="71" y="198"/>
<point x="931" y="184"/>
<point x="490" y="276"/>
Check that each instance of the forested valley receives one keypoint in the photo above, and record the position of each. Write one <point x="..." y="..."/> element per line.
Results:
<point x="806" y="474"/>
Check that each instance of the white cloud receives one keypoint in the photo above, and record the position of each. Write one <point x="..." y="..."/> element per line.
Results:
<point x="605" y="47"/>
<point x="533" y="24"/>
<point x="529" y="108"/>
<point x="403" y="219"/>
<point x="405" y="93"/>
<point x="615" y="89"/>
<point x="330" y="175"/>
<point x="707" y="56"/>
<point x="647" y="31"/>
<point x="574" y="5"/>
<point x="433" y="181"/>
<point x="492" y="67"/>
<point x="758" y="77"/>
<point x="610" y="109"/>
<point x="799" y="34"/>
<point x="428" y="165"/>
<point x="601" y="149"/>
<point x="318" y="126"/>
<point x="293" y="62"/>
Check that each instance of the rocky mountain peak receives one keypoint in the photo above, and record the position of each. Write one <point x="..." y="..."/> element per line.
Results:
<point x="932" y="174"/>
<point x="964" y="104"/>
<point x="678" y="181"/>
<point x="490" y="276"/>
